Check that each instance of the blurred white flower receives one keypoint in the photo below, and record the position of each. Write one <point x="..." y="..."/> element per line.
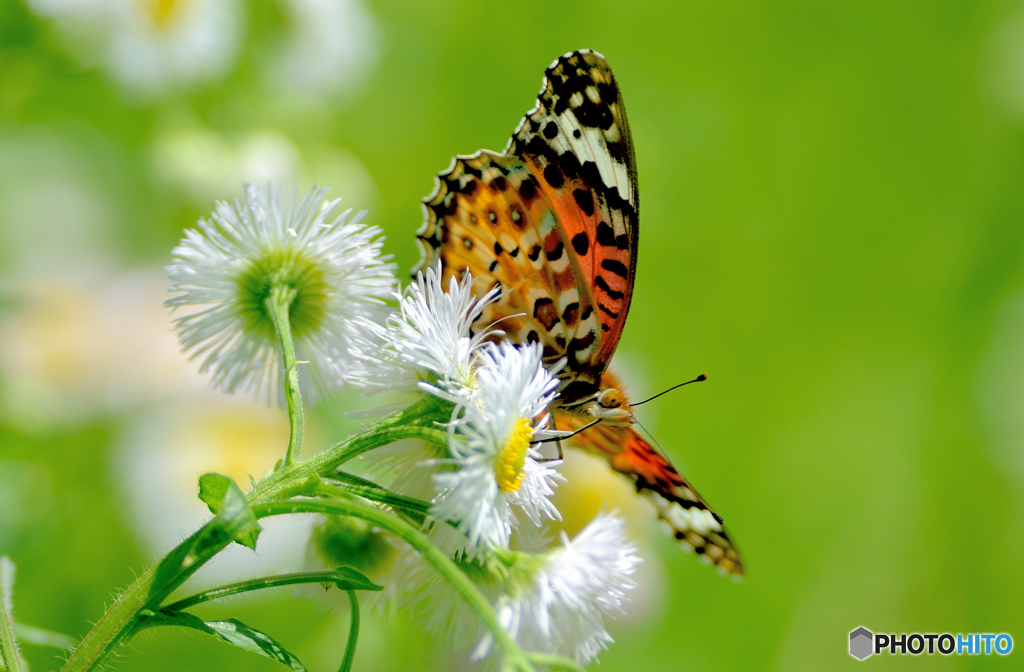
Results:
<point x="557" y="602"/>
<point x="426" y="344"/>
<point x="70" y="350"/>
<point x="498" y="472"/>
<point x="331" y="46"/>
<point x="203" y="164"/>
<point x="151" y="46"/>
<point x="159" y="457"/>
<point x="330" y="261"/>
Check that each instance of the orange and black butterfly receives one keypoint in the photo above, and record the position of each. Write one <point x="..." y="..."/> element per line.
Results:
<point x="553" y="222"/>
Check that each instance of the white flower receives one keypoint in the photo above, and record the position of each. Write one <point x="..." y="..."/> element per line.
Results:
<point x="426" y="344"/>
<point x="557" y="602"/>
<point x="151" y="46"/>
<point x="331" y="46"/>
<point x="228" y="267"/>
<point x="499" y="474"/>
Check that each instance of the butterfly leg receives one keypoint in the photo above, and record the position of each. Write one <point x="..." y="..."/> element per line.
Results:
<point x="558" y="442"/>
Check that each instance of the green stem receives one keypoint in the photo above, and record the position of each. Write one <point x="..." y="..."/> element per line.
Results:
<point x="279" y="305"/>
<point x="515" y="658"/>
<point x="10" y="656"/>
<point x="329" y="576"/>
<point x="156" y="583"/>
<point x="418" y="421"/>
<point x="147" y="592"/>
<point x="554" y="661"/>
<point x="353" y="634"/>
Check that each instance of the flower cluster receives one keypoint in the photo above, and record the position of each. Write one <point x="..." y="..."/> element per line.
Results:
<point x="488" y="489"/>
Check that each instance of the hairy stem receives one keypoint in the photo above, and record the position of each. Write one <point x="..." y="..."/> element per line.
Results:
<point x="151" y="588"/>
<point x="278" y="305"/>
<point x="10" y="656"/>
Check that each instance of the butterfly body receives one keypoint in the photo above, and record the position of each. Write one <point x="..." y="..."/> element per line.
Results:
<point x="553" y="221"/>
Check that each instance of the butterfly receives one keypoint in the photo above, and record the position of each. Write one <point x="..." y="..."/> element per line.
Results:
<point x="553" y="222"/>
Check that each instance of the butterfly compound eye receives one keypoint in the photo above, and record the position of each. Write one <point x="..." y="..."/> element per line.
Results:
<point x="611" y="399"/>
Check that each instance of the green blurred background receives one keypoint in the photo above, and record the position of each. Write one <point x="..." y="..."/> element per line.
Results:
<point x="833" y="200"/>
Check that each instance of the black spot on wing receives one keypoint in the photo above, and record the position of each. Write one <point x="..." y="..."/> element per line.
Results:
<point x="600" y="282"/>
<point x="581" y="243"/>
<point x="553" y="176"/>
<point x="528" y="189"/>
<point x="615" y="266"/>
<point x="556" y="254"/>
<point x="605" y="235"/>
<point x="607" y="311"/>
<point x="584" y="199"/>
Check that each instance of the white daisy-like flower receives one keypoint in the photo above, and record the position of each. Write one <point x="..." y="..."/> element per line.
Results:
<point x="331" y="46"/>
<point x="557" y="602"/>
<point x="426" y="344"/>
<point x="150" y="46"/>
<point x="494" y="447"/>
<point x="228" y="267"/>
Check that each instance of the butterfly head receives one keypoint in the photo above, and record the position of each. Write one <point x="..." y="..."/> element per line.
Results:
<point x="609" y="403"/>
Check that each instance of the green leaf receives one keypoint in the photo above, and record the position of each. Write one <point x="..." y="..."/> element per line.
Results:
<point x="227" y="501"/>
<point x="350" y="579"/>
<point x="212" y="490"/>
<point x="231" y="631"/>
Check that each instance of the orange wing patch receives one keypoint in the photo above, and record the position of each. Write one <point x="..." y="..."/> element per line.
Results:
<point x="688" y="517"/>
<point x="488" y="216"/>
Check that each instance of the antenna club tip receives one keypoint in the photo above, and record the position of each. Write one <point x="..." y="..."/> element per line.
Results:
<point x="702" y="377"/>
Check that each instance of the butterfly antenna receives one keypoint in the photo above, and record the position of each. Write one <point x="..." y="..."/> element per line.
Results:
<point x="699" y="379"/>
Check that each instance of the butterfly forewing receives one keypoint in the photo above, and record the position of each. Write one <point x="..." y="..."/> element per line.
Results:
<point x="577" y="139"/>
<point x="557" y="209"/>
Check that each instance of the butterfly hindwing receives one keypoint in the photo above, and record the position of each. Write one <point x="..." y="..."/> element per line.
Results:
<point x="688" y="517"/>
<point x="487" y="216"/>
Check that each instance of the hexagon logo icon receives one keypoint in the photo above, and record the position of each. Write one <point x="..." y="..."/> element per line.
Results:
<point x="861" y="643"/>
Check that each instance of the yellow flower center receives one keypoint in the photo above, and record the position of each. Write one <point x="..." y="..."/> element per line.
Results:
<point x="163" y="12"/>
<point x="509" y="467"/>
